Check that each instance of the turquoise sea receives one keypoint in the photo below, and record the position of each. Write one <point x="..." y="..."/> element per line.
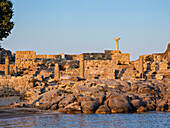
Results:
<point x="57" y="120"/>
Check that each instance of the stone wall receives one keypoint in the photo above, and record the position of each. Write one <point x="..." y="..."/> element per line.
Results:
<point x="29" y="59"/>
<point x="99" y="69"/>
<point x="123" y="58"/>
<point x="95" y="69"/>
<point x="2" y="68"/>
<point x="75" y="57"/>
<point x="102" y="69"/>
<point x="48" y="56"/>
<point x="25" y="59"/>
<point x="157" y="64"/>
<point x="97" y="56"/>
<point x="116" y="56"/>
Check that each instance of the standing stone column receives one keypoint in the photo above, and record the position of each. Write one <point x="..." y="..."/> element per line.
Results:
<point x="7" y="65"/>
<point x="57" y="72"/>
<point x="15" y="69"/>
<point x="81" y="66"/>
<point x="113" y="73"/>
<point x="117" y="43"/>
<point x="141" y="68"/>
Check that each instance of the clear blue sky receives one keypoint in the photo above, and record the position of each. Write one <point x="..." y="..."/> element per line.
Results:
<point x="78" y="26"/>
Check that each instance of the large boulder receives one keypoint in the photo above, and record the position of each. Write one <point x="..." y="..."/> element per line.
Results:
<point x="81" y="98"/>
<point x="67" y="100"/>
<point x="89" y="106"/>
<point x="84" y="90"/>
<point x="151" y="106"/>
<point x="103" y="109"/>
<point x="142" y="109"/>
<point x="110" y="94"/>
<point x="99" y="96"/>
<point x="53" y="104"/>
<point x="120" y="104"/>
<point x="162" y="106"/>
<point x="137" y="103"/>
<point x="126" y="86"/>
<point x="71" y="108"/>
<point x="134" y="87"/>
<point x="144" y="88"/>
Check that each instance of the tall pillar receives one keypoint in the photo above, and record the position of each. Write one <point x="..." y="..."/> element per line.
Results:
<point x="117" y="43"/>
<point x="82" y="66"/>
<point x="15" y="69"/>
<point x="57" y="72"/>
<point x="141" y="68"/>
<point x="113" y="73"/>
<point x="7" y="65"/>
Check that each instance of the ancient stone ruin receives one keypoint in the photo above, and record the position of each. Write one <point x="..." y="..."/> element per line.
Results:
<point x="87" y="83"/>
<point x="112" y="64"/>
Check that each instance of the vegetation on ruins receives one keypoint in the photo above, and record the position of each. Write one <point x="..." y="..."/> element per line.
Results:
<point x="6" y="13"/>
<point x="67" y="92"/>
<point x="149" y="58"/>
<point x="103" y="90"/>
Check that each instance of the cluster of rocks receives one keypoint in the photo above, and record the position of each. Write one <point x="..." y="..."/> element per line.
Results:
<point x="98" y="96"/>
<point x="6" y="92"/>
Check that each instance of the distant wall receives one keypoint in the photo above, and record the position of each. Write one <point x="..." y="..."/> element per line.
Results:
<point x="2" y="68"/>
<point x="48" y="56"/>
<point x="27" y="59"/>
<point x="122" y="58"/>
<point x="117" y="56"/>
<point x="158" y="63"/>
<point x="97" y="56"/>
<point x="103" y="69"/>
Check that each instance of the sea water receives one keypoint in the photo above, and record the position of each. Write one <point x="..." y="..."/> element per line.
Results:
<point x="143" y="120"/>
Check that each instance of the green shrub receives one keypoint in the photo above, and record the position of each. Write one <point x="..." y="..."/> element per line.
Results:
<point x="68" y="92"/>
<point x="103" y="90"/>
<point x="52" y="64"/>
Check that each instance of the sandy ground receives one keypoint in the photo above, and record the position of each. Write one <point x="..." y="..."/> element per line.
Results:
<point x="6" y="112"/>
<point x="9" y="100"/>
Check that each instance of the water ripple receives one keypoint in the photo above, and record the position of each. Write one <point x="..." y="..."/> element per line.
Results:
<point x="149" y="120"/>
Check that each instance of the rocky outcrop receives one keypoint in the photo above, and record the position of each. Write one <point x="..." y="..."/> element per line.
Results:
<point x="120" y="104"/>
<point x="92" y="96"/>
<point x="103" y="109"/>
<point x="167" y="53"/>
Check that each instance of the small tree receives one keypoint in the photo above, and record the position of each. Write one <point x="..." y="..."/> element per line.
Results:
<point x="149" y="58"/>
<point x="6" y="13"/>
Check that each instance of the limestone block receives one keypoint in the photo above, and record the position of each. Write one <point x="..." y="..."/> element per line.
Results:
<point x="154" y="66"/>
<point x="163" y="65"/>
<point x="159" y="76"/>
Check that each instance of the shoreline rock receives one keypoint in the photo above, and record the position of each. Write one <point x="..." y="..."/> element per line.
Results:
<point x="95" y="96"/>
